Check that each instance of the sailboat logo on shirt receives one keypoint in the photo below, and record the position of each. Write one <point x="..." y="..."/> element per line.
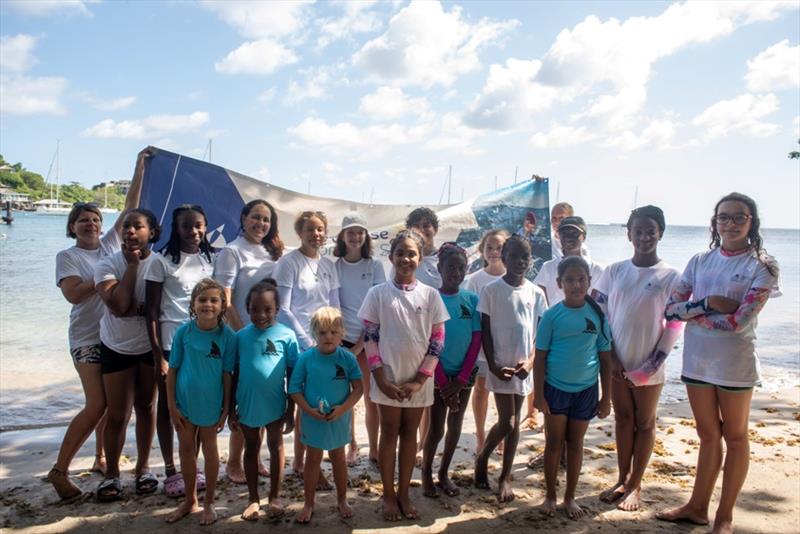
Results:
<point x="465" y="312"/>
<point x="340" y="374"/>
<point x="269" y="349"/>
<point x="591" y="328"/>
<point x="214" y="352"/>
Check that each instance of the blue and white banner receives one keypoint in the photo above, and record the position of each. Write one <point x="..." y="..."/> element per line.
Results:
<point x="172" y="179"/>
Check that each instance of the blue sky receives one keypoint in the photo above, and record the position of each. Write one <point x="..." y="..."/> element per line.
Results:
<point x="358" y="100"/>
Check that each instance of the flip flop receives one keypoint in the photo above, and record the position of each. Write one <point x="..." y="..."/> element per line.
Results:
<point x="109" y="490"/>
<point x="146" y="483"/>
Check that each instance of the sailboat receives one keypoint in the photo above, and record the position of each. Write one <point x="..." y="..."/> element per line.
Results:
<point x="105" y="208"/>
<point x="53" y="206"/>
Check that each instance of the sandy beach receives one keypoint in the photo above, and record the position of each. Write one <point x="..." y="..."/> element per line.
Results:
<point x="769" y="502"/>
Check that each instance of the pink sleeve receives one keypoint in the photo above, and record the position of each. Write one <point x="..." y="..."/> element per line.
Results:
<point x="472" y="356"/>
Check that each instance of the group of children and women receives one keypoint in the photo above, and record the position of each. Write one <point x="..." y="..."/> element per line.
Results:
<point x="272" y="342"/>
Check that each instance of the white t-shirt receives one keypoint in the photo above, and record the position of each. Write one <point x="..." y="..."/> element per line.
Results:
<point x="126" y="335"/>
<point x="721" y="357"/>
<point x="475" y="283"/>
<point x="356" y="279"/>
<point x="238" y="267"/>
<point x="549" y="273"/>
<point x="427" y="271"/>
<point x="514" y="314"/>
<point x="84" y="317"/>
<point x="311" y="282"/>
<point x="637" y="297"/>
<point x="406" y="319"/>
<point x="178" y="282"/>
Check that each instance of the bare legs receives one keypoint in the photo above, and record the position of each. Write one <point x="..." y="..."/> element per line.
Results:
<point x="234" y="469"/>
<point x="440" y="413"/>
<point x="635" y="420"/>
<point x="164" y="428"/>
<point x="277" y="457"/>
<point x="509" y="407"/>
<point x="370" y="416"/>
<point x="91" y="417"/>
<point x="480" y="405"/>
<point x="398" y="424"/>
<point x="187" y="442"/>
<point x="719" y="415"/>
<point x="561" y="430"/>
<point x="311" y="478"/>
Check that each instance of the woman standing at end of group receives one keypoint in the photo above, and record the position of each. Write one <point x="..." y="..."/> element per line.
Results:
<point x="306" y="282"/>
<point x="358" y="272"/>
<point x="633" y="294"/>
<point x="720" y="296"/>
<point x="75" y="277"/>
<point x="240" y="265"/>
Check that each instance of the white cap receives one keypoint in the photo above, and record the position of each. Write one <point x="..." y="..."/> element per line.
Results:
<point x="352" y="220"/>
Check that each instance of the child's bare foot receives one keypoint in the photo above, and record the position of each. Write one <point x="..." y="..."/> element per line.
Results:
<point x="344" y="510"/>
<point x="529" y="423"/>
<point x="66" y="490"/>
<point x="298" y="468"/>
<point x="263" y="470"/>
<point x="722" y="527"/>
<point x="99" y="465"/>
<point x="407" y="508"/>
<point x="188" y="506"/>
<point x="391" y="510"/>
<point x="574" y="511"/>
<point x="252" y="512"/>
<point x="235" y="473"/>
<point x="418" y="460"/>
<point x="479" y="447"/>
<point x="630" y="502"/>
<point x="450" y="489"/>
<point x="352" y="455"/>
<point x="428" y="487"/>
<point x="275" y="508"/>
<point x="323" y="484"/>
<point x="506" y="492"/>
<point x="614" y="493"/>
<point x="683" y="513"/>
<point x="304" y="517"/>
<point x="548" y="507"/>
<point x="209" y="516"/>
<point x="481" y="475"/>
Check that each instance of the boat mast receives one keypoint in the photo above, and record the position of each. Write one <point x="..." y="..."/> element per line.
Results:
<point x="58" y="171"/>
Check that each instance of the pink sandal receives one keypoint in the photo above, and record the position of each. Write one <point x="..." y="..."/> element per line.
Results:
<point x="174" y="486"/>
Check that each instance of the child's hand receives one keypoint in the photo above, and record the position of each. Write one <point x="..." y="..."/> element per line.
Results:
<point x="617" y="371"/>
<point x="452" y="388"/>
<point x="541" y="404"/>
<point x="504" y="373"/>
<point x="335" y="413"/>
<point x="390" y="390"/>
<point x="316" y="414"/>
<point x="221" y="423"/>
<point x="409" y="388"/>
<point x="722" y="304"/>
<point x="521" y="370"/>
<point x="178" y="421"/>
<point x="132" y="256"/>
<point x="604" y="408"/>
<point x="452" y="403"/>
<point x="162" y="365"/>
<point x="288" y="422"/>
<point x="233" y="422"/>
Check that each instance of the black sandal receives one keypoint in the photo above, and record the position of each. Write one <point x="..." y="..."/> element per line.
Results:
<point x="109" y="490"/>
<point x="146" y="483"/>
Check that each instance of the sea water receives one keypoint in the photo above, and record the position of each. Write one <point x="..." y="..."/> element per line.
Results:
<point x="39" y="385"/>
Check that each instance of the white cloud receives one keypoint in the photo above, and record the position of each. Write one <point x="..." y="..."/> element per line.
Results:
<point x="109" y="105"/>
<point x="595" y="55"/>
<point x="263" y="56"/>
<point x="742" y="114"/>
<point x="148" y="127"/>
<point x="16" y="52"/>
<point x="43" y="8"/>
<point x="450" y="133"/>
<point x="260" y="20"/>
<point x="347" y="137"/>
<point x="315" y="84"/>
<point x="560" y="137"/>
<point x="776" y="68"/>
<point x="391" y="103"/>
<point x="356" y="19"/>
<point x="20" y="95"/>
<point x="796" y="124"/>
<point x="426" y="45"/>
<point x="658" y="134"/>
<point x="267" y="96"/>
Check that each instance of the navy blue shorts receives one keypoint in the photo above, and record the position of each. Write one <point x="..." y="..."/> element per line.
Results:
<point x="581" y="405"/>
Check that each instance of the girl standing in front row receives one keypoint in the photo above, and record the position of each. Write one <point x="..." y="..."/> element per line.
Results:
<point x="266" y="354"/>
<point x="326" y="384"/>
<point x="720" y="296"/>
<point x="184" y="261"/>
<point x="358" y="272"/>
<point x="455" y="372"/>
<point x="491" y="251"/>
<point x="633" y="293"/>
<point x="198" y="390"/>
<point x="573" y="346"/>
<point x="510" y="310"/>
<point x="126" y="359"/>
<point x="404" y="329"/>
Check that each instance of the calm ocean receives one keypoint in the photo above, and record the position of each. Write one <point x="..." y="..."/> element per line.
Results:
<point x="39" y="386"/>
